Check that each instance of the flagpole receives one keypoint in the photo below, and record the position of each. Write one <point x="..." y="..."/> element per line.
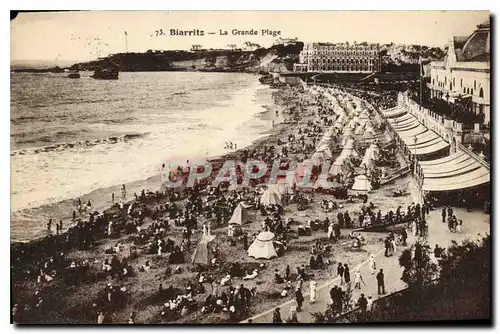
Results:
<point x="126" y="42"/>
<point x="421" y="81"/>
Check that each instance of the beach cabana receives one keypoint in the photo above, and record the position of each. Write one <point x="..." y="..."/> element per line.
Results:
<point x="337" y="168"/>
<point x="361" y="184"/>
<point x="203" y="252"/>
<point x="240" y="214"/>
<point x="262" y="247"/>
<point x="367" y="161"/>
<point x="270" y="197"/>
<point x="359" y="130"/>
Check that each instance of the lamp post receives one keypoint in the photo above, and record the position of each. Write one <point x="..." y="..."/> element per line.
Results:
<point x="415" y="140"/>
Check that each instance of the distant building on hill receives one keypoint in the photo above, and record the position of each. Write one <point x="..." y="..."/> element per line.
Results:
<point x="285" y="41"/>
<point x="339" y="57"/>
<point x="464" y="74"/>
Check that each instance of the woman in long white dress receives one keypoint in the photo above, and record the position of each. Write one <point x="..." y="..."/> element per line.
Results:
<point x="371" y="264"/>
<point x="312" y="292"/>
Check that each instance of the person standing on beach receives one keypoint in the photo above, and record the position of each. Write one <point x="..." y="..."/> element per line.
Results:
<point x="124" y="192"/>
<point x="380" y="282"/>
<point x="443" y="214"/>
<point x="371" y="264"/>
<point x="347" y="275"/>
<point x="113" y="199"/>
<point x="299" y="298"/>
<point x="277" y="316"/>
<point x="49" y="225"/>
<point x="340" y="272"/>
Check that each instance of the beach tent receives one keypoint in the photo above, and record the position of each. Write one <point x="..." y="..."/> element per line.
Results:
<point x="203" y="252"/>
<point x="359" y="130"/>
<point x="349" y="145"/>
<point x="262" y="247"/>
<point x="361" y="184"/>
<point x="240" y="214"/>
<point x="285" y="185"/>
<point x="367" y="161"/>
<point x="337" y="168"/>
<point x="319" y="156"/>
<point x="270" y="197"/>
<point x="373" y="152"/>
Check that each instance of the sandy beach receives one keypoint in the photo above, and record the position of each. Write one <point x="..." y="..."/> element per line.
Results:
<point x="69" y="303"/>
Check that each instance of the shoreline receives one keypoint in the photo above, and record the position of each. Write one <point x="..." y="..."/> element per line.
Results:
<point x="101" y="198"/>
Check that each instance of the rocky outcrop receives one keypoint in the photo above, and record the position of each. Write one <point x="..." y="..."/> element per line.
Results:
<point x="278" y="58"/>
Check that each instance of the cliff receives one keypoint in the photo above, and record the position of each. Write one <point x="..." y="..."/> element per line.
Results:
<point x="278" y="58"/>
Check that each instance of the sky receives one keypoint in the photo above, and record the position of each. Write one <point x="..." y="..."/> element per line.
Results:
<point x="83" y="36"/>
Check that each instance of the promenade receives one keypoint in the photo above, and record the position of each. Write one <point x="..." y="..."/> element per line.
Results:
<point x="474" y="223"/>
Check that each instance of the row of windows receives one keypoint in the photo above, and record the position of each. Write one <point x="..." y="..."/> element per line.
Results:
<point x="342" y="47"/>
<point x="343" y="58"/>
<point x="342" y="68"/>
<point x="342" y="61"/>
<point x="341" y="53"/>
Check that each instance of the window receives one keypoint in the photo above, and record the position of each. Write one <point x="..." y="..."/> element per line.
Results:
<point x="453" y="82"/>
<point x="474" y="84"/>
<point x="461" y="82"/>
<point x="481" y="93"/>
<point x="472" y="92"/>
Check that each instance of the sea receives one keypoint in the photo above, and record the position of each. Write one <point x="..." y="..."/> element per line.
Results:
<point x="72" y="136"/>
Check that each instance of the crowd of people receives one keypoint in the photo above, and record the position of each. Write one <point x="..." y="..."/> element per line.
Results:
<point x="146" y="225"/>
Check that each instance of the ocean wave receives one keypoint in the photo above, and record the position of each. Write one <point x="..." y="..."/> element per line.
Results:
<point x="72" y="145"/>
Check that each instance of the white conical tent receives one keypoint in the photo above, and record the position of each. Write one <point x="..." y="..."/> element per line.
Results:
<point x="240" y="214"/>
<point x="337" y="168"/>
<point x="270" y="197"/>
<point x="367" y="161"/>
<point x="373" y="152"/>
<point x="361" y="184"/>
<point x="203" y="252"/>
<point x="319" y="157"/>
<point x="359" y="130"/>
<point x="262" y="247"/>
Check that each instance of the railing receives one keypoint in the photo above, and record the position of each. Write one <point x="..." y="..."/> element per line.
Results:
<point x="473" y="155"/>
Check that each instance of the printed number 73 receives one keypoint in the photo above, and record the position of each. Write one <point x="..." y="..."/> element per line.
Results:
<point x="159" y="32"/>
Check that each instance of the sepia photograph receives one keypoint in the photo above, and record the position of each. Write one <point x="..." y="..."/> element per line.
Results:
<point x="250" y="167"/>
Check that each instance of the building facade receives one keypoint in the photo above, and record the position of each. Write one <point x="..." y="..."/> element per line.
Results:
<point x="465" y="71"/>
<point x="339" y="57"/>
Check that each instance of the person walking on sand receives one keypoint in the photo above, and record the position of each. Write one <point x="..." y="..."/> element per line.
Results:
<point x="358" y="279"/>
<point x="277" y="316"/>
<point x="371" y="264"/>
<point x="112" y="198"/>
<point x="293" y="315"/>
<point x="380" y="282"/>
<point x="443" y="214"/>
<point x="347" y="275"/>
<point x="340" y="272"/>
<point x="124" y="192"/>
<point x="49" y="225"/>
<point x="299" y="298"/>
<point x="312" y="292"/>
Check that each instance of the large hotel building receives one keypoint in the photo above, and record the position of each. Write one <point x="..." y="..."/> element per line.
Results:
<point x="339" y="57"/>
<point x="465" y="71"/>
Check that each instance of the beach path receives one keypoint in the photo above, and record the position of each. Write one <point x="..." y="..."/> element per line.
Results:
<point x="475" y="223"/>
